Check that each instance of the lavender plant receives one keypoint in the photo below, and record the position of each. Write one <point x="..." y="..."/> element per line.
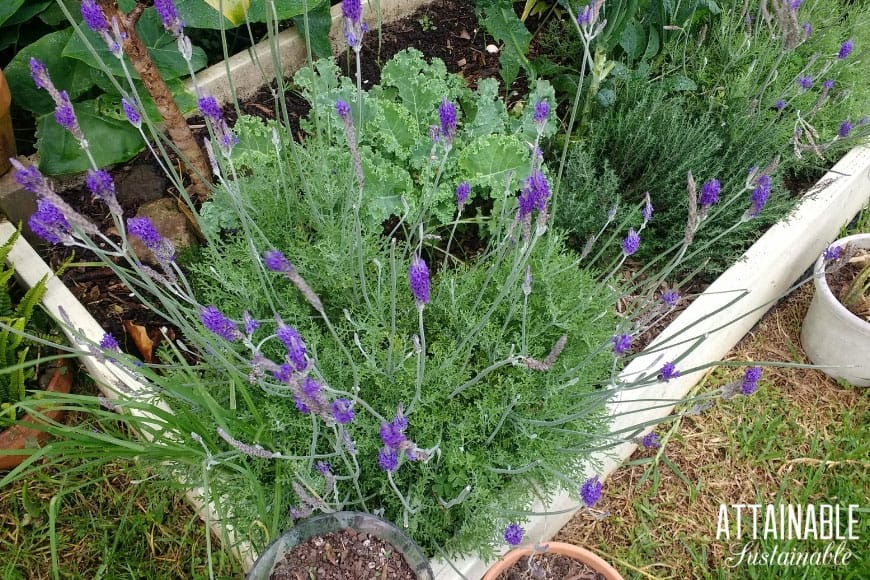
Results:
<point x="323" y="363"/>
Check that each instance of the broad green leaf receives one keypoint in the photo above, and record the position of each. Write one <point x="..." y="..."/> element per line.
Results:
<point x="28" y="11"/>
<point x="653" y="44"/>
<point x="420" y="85"/>
<point x="8" y="8"/>
<point x="8" y="36"/>
<point x="198" y="14"/>
<point x="233" y="10"/>
<point x="111" y="141"/>
<point x="633" y="40"/>
<point x="395" y="128"/>
<point x="681" y="83"/>
<point x="53" y="15"/>
<point x="320" y="22"/>
<point x="501" y="21"/>
<point x="185" y="100"/>
<point x="67" y="74"/>
<point x="487" y="161"/>
<point x="161" y="45"/>
<point x="385" y="184"/>
<point x="491" y="113"/>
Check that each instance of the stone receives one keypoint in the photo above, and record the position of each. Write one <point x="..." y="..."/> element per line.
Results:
<point x="142" y="184"/>
<point x="169" y="221"/>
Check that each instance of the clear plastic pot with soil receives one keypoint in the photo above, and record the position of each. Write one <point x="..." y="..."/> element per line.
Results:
<point x="343" y="545"/>
<point x="834" y="337"/>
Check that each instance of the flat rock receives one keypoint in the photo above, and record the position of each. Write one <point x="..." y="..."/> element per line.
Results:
<point x="169" y="221"/>
<point x="144" y="183"/>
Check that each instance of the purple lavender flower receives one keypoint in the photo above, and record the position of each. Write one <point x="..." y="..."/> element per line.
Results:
<point x="209" y="107"/>
<point x="39" y="73"/>
<point x="590" y="491"/>
<point x="276" y="262"/>
<point x="296" y="351"/>
<point x="132" y="113"/>
<point x="311" y="388"/>
<point x="323" y="467"/>
<point x="808" y="29"/>
<point x="93" y="16"/>
<point x="760" y="194"/>
<point x="418" y="277"/>
<point x="250" y="324"/>
<point x="670" y="298"/>
<point x="621" y="344"/>
<point x="49" y="223"/>
<point x="145" y="230"/>
<point x="584" y="16"/>
<point x="342" y="411"/>
<point x="779" y="105"/>
<point x="650" y="441"/>
<point x="108" y="342"/>
<point x="805" y="81"/>
<point x="542" y="111"/>
<point x="795" y="4"/>
<point x="832" y="253"/>
<point x="669" y="371"/>
<point x="710" y="192"/>
<point x="343" y="109"/>
<point x="828" y="84"/>
<point x="750" y="380"/>
<point x="31" y="179"/>
<point x="352" y="10"/>
<point x="392" y="434"/>
<point x="66" y="116"/>
<point x="513" y="534"/>
<point x="283" y="373"/>
<point x="647" y="210"/>
<point x="462" y="192"/>
<point x="301" y="405"/>
<point x="447" y="116"/>
<point x="845" y="129"/>
<point x="388" y="460"/>
<point x="846" y="49"/>
<point x="100" y="183"/>
<point x="215" y="321"/>
<point x="169" y="17"/>
<point x="631" y="242"/>
<point x="536" y="192"/>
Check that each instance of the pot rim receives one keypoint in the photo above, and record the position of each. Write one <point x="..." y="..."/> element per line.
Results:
<point x="578" y="553"/>
<point x="820" y="283"/>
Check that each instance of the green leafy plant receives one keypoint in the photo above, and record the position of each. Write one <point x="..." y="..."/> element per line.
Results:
<point x="14" y="346"/>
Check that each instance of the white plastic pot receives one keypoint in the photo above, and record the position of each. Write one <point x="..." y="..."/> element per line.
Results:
<point x="834" y="338"/>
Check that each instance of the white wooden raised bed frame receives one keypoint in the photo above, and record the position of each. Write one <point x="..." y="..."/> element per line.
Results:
<point x="764" y="274"/>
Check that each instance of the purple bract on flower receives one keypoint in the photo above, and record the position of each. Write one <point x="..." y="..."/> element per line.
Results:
<point x="805" y="81"/>
<point x="845" y="129"/>
<point x="669" y="371"/>
<point x="301" y="405"/>
<point x="447" y="116"/>
<point x="621" y="344"/>
<point x="48" y="223"/>
<point x="169" y="16"/>
<point x="651" y="441"/>
<point x="513" y="534"/>
<point x="323" y="467"/>
<point x="343" y="109"/>
<point x="795" y="4"/>
<point x="388" y="460"/>
<point x="671" y="297"/>
<point x="209" y="107"/>
<point x="250" y="324"/>
<point x="750" y="380"/>
<point x="40" y="75"/>
<point x="710" y="192"/>
<point x="631" y="242"/>
<point x="760" y="194"/>
<point x="352" y="10"/>
<point x="215" y="321"/>
<point x="779" y="105"/>
<point x="393" y="434"/>
<point x="93" y="16"/>
<point x="311" y="388"/>
<point x="276" y="262"/>
<point x="832" y="253"/>
<point x="66" y="116"/>
<point x="462" y="191"/>
<point x="296" y="351"/>
<point x="828" y="84"/>
<point x="283" y="373"/>
<point x="142" y="228"/>
<point x="100" y="183"/>
<point x="132" y="113"/>
<point x="418" y="277"/>
<point x="108" y="342"/>
<point x="808" y="29"/>
<point x="542" y="111"/>
<point x="536" y="192"/>
<point x="584" y="15"/>
<point x="845" y="49"/>
<point x="342" y="411"/>
<point x="590" y="491"/>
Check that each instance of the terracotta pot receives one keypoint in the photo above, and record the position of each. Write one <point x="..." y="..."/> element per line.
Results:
<point x="7" y="139"/>
<point x="583" y="555"/>
<point x="21" y="436"/>
<point x="832" y="336"/>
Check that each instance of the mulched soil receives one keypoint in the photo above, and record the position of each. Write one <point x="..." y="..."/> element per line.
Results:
<point x="840" y="279"/>
<point x="549" y="567"/>
<point x="344" y="555"/>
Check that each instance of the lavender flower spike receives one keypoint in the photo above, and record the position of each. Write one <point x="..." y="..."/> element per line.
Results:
<point x="169" y="16"/>
<point x="542" y="111"/>
<point x="342" y="411"/>
<point x="750" y="380"/>
<point x="100" y="184"/>
<point x="805" y="82"/>
<point x="760" y="195"/>
<point x="343" y="109"/>
<point x="447" y="116"/>
<point x="845" y="129"/>
<point x="590" y="491"/>
<point x="131" y="112"/>
<point x="651" y="440"/>
<point x="710" y="192"/>
<point x="513" y="534"/>
<point x="215" y="321"/>
<point x="93" y="16"/>
<point x="388" y="460"/>
<point x="846" y="49"/>
<point x="621" y="344"/>
<point x="647" y="210"/>
<point x="162" y="248"/>
<point x="462" y="192"/>
<point x="669" y="371"/>
<point x="276" y="262"/>
<point x="418" y="277"/>
<point x="354" y="27"/>
<point x="49" y="223"/>
<point x="631" y="243"/>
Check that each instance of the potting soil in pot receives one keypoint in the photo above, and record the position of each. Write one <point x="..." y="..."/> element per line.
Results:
<point x="549" y="567"/>
<point x="344" y="555"/>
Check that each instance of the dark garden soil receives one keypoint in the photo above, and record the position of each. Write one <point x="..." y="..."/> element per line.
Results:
<point x="344" y="555"/>
<point x="549" y="567"/>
